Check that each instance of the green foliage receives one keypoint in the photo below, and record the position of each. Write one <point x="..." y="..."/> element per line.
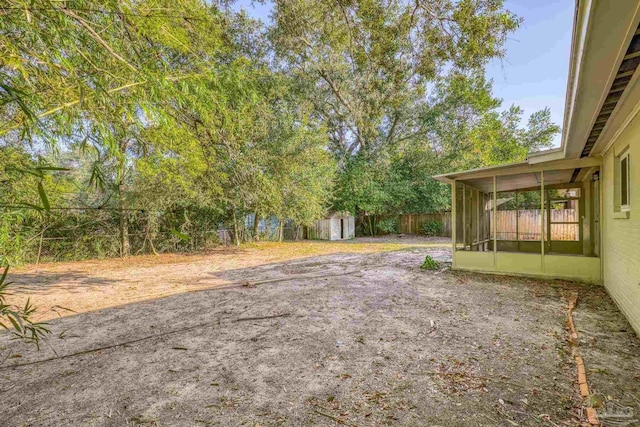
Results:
<point x="433" y="228"/>
<point x="64" y="64"/>
<point x="19" y="319"/>
<point x="164" y="110"/>
<point x="367" y="63"/>
<point x="400" y="86"/>
<point x="388" y="226"/>
<point x="430" y="264"/>
<point x="166" y="119"/>
<point x="142" y="126"/>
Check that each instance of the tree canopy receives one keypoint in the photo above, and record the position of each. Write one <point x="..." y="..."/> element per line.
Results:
<point x="156" y="122"/>
<point x="137" y="126"/>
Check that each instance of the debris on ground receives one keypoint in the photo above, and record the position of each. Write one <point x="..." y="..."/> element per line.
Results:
<point x="387" y="345"/>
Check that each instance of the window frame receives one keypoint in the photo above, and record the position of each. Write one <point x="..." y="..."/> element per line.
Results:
<point x="624" y="159"/>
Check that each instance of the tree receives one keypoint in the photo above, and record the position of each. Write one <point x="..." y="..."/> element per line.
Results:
<point x="257" y="151"/>
<point x="464" y="128"/>
<point x="67" y="68"/>
<point x="468" y="129"/>
<point x="62" y="62"/>
<point x="400" y="87"/>
<point x="300" y="170"/>
<point x="367" y="64"/>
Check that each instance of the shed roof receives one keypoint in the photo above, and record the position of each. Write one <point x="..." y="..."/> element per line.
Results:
<point x="336" y="214"/>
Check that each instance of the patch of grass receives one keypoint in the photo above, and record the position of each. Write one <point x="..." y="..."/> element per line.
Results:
<point x="350" y="246"/>
<point x="430" y="264"/>
<point x="293" y="250"/>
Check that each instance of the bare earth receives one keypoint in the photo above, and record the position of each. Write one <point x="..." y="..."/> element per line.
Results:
<point x="301" y="334"/>
<point x="56" y="287"/>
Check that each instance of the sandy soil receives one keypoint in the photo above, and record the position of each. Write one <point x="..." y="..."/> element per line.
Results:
<point x="359" y="339"/>
<point x="55" y="288"/>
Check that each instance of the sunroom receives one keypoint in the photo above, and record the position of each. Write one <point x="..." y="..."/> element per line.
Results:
<point x="537" y="219"/>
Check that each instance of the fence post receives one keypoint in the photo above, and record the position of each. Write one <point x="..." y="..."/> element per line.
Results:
<point x="453" y="223"/>
<point x="495" y="223"/>
<point x="542" y="206"/>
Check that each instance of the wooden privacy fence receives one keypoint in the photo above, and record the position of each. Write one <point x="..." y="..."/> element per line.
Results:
<point x="526" y="224"/>
<point x="511" y="224"/>
<point x="412" y="223"/>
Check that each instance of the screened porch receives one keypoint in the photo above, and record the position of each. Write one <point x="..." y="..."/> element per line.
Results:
<point x="540" y="219"/>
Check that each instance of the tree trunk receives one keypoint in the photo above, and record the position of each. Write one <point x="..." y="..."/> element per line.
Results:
<point x="256" y="225"/>
<point x="124" y="226"/>
<point x="236" y="237"/>
<point x="281" y="236"/>
<point x="148" y="234"/>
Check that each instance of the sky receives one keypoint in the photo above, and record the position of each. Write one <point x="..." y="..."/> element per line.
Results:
<point x="533" y="74"/>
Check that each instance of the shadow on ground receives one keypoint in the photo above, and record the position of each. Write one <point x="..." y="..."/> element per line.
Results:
<point x="71" y="281"/>
<point x="364" y="340"/>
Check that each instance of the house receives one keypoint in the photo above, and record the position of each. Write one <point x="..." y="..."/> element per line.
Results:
<point x="336" y="226"/>
<point x="576" y="209"/>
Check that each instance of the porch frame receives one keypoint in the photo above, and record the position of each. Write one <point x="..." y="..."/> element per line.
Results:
<point x="562" y="266"/>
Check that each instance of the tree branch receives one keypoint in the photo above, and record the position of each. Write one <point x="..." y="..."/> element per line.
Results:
<point x="97" y="37"/>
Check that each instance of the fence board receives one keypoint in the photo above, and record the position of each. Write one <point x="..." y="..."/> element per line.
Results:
<point x="511" y="224"/>
<point x="412" y="223"/>
<point x="529" y="228"/>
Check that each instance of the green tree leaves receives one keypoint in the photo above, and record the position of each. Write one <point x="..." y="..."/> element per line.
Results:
<point x="400" y="87"/>
<point x="188" y="105"/>
<point x="19" y="319"/>
<point x="367" y="64"/>
<point x="72" y="62"/>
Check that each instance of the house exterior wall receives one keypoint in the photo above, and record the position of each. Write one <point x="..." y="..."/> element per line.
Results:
<point x="621" y="235"/>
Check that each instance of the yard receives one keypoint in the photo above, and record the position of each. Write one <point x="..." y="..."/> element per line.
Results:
<point x="309" y="333"/>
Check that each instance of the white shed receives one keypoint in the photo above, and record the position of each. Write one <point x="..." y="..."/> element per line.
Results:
<point x="336" y="226"/>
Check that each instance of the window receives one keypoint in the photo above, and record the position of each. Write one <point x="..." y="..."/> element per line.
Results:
<point x="625" y="202"/>
<point x="622" y="185"/>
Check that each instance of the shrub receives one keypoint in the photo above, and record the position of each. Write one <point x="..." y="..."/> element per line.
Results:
<point x="430" y="264"/>
<point x="387" y="225"/>
<point x="18" y="319"/>
<point x="433" y="228"/>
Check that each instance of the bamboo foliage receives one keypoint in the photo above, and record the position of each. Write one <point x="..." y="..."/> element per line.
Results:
<point x="65" y="62"/>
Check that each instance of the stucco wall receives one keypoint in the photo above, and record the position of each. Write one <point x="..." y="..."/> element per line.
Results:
<point x="572" y="267"/>
<point x="621" y="237"/>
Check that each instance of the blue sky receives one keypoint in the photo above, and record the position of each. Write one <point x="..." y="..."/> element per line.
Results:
<point x="533" y="74"/>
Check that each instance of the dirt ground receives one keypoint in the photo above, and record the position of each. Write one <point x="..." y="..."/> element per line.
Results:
<point x="55" y="287"/>
<point x="301" y="335"/>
